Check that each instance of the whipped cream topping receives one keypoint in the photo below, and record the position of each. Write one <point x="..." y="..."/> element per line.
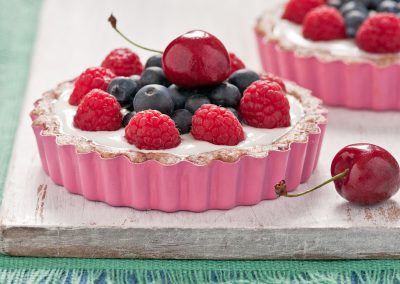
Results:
<point x="115" y="140"/>
<point x="290" y="36"/>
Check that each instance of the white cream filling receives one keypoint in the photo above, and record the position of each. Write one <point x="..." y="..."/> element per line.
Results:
<point x="290" y="35"/>
<point x="188" y="146"/>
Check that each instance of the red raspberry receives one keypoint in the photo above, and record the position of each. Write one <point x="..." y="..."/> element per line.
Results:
<point x="123" y="62"/>
<point x="236" y="63"/>
<point x="265" y="105"/>
<point x="216" y="125"/>
<point x="273" y="78"/>
<point x="296" y="10"/>
<point x="152" y="130"/>
<point x="324" y="23"/>
<point x="98" y="111"/>
<point x="380" y="33"/>
<point x="91" y="78"/>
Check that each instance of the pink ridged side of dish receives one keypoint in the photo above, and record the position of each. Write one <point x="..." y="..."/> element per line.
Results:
<point x="181" y="186"/>
<point x="337" y="83"/>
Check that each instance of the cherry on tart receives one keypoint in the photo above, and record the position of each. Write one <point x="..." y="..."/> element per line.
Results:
<point x="194" y="59"/>
<point x="363" y="173"/>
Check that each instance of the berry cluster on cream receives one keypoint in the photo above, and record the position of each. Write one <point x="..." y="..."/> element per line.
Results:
<point x="374" y="24"/>
<point x="209" y="96"/>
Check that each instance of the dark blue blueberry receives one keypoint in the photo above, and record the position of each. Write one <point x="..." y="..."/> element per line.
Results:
<point x="353" y="5"/>
<point x="154" y="61"/>
<point x="226" y="95"/>
<point x="353" y="20"/>
<point x="183" y="120"/>
<point x="124" y="90"/>
<point x="196" y="101"/>
<point x="154" y="75"/>
<point x="155" y="97"/>
<point x="127" y="118"/>
<point x="372" y="4"/>
<point x="179" y="95"/>
<point x="243" y="78"/>
<point x="235" y="112"/>
<point x="335" y="3"/>
<point x="388" y="6"/>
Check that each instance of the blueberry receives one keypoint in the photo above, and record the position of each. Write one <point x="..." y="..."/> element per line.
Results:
<point x="154" y="97"/>
<point x="388" y="6"/>
<point x="127" y="118"/>
<point x="154" y="75"/>
<point x="179" y="95"/>
<point x="335" y="3"/>
<point x="243" y="78"/>
<point x="353" y="5"/>
<point x="183" y="120"/>
<point x="124" y="90"/>
<point x="353" y="20"/>
<point x="154" y="61"/>
<point x="235" y="112"/>
<point x="226" y="95"/>
<point x="196" y="101"/>
<point x="372" y="4"/>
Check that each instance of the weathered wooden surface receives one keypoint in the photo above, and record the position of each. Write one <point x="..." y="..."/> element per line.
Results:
<point x="39" y="218"/>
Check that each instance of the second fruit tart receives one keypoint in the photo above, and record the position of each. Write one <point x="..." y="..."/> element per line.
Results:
<point x="346" y="52"/>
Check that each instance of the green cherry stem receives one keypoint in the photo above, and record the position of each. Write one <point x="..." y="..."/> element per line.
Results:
<point x="280" y="188"/>
<point x="113" y="22"/>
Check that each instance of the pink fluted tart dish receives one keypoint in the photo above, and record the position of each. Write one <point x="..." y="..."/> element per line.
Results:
<point x="337" y="71"/>
<point x="195" y="176"/>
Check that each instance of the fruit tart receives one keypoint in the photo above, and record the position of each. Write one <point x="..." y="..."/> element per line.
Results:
<point x="178" y="134"/>
<point x="346" y="52"/>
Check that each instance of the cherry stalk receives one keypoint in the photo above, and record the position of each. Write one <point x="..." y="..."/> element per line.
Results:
<point x="281" y="190"/>
<point x="113" y="22"/>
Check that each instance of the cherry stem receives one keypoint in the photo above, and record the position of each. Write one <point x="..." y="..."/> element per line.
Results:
<point x="113" y="22"/>
<point x="280" y="188"/>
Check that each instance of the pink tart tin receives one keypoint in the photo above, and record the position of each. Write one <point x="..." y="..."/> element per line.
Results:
<point x="220" y="179"/>
<point x="338" y="72"/>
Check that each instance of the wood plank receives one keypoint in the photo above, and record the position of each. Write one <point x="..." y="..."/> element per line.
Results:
<point x="41" y="219"/>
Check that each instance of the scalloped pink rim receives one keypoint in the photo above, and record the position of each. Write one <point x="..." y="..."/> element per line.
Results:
<point x="338" y="83"/>
<point x="151" y="185"/>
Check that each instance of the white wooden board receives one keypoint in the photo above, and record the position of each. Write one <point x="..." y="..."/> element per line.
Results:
<point x="42" y="219"/>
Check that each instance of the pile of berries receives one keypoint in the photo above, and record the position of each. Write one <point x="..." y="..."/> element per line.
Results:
<point x="375" y="24"/>
<point x="158" y="109"/>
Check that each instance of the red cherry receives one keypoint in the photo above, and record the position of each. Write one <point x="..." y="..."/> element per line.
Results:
<point x="195" y="59"/>
<point x="363" y="173"/>
<point x="373" y="173"/>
